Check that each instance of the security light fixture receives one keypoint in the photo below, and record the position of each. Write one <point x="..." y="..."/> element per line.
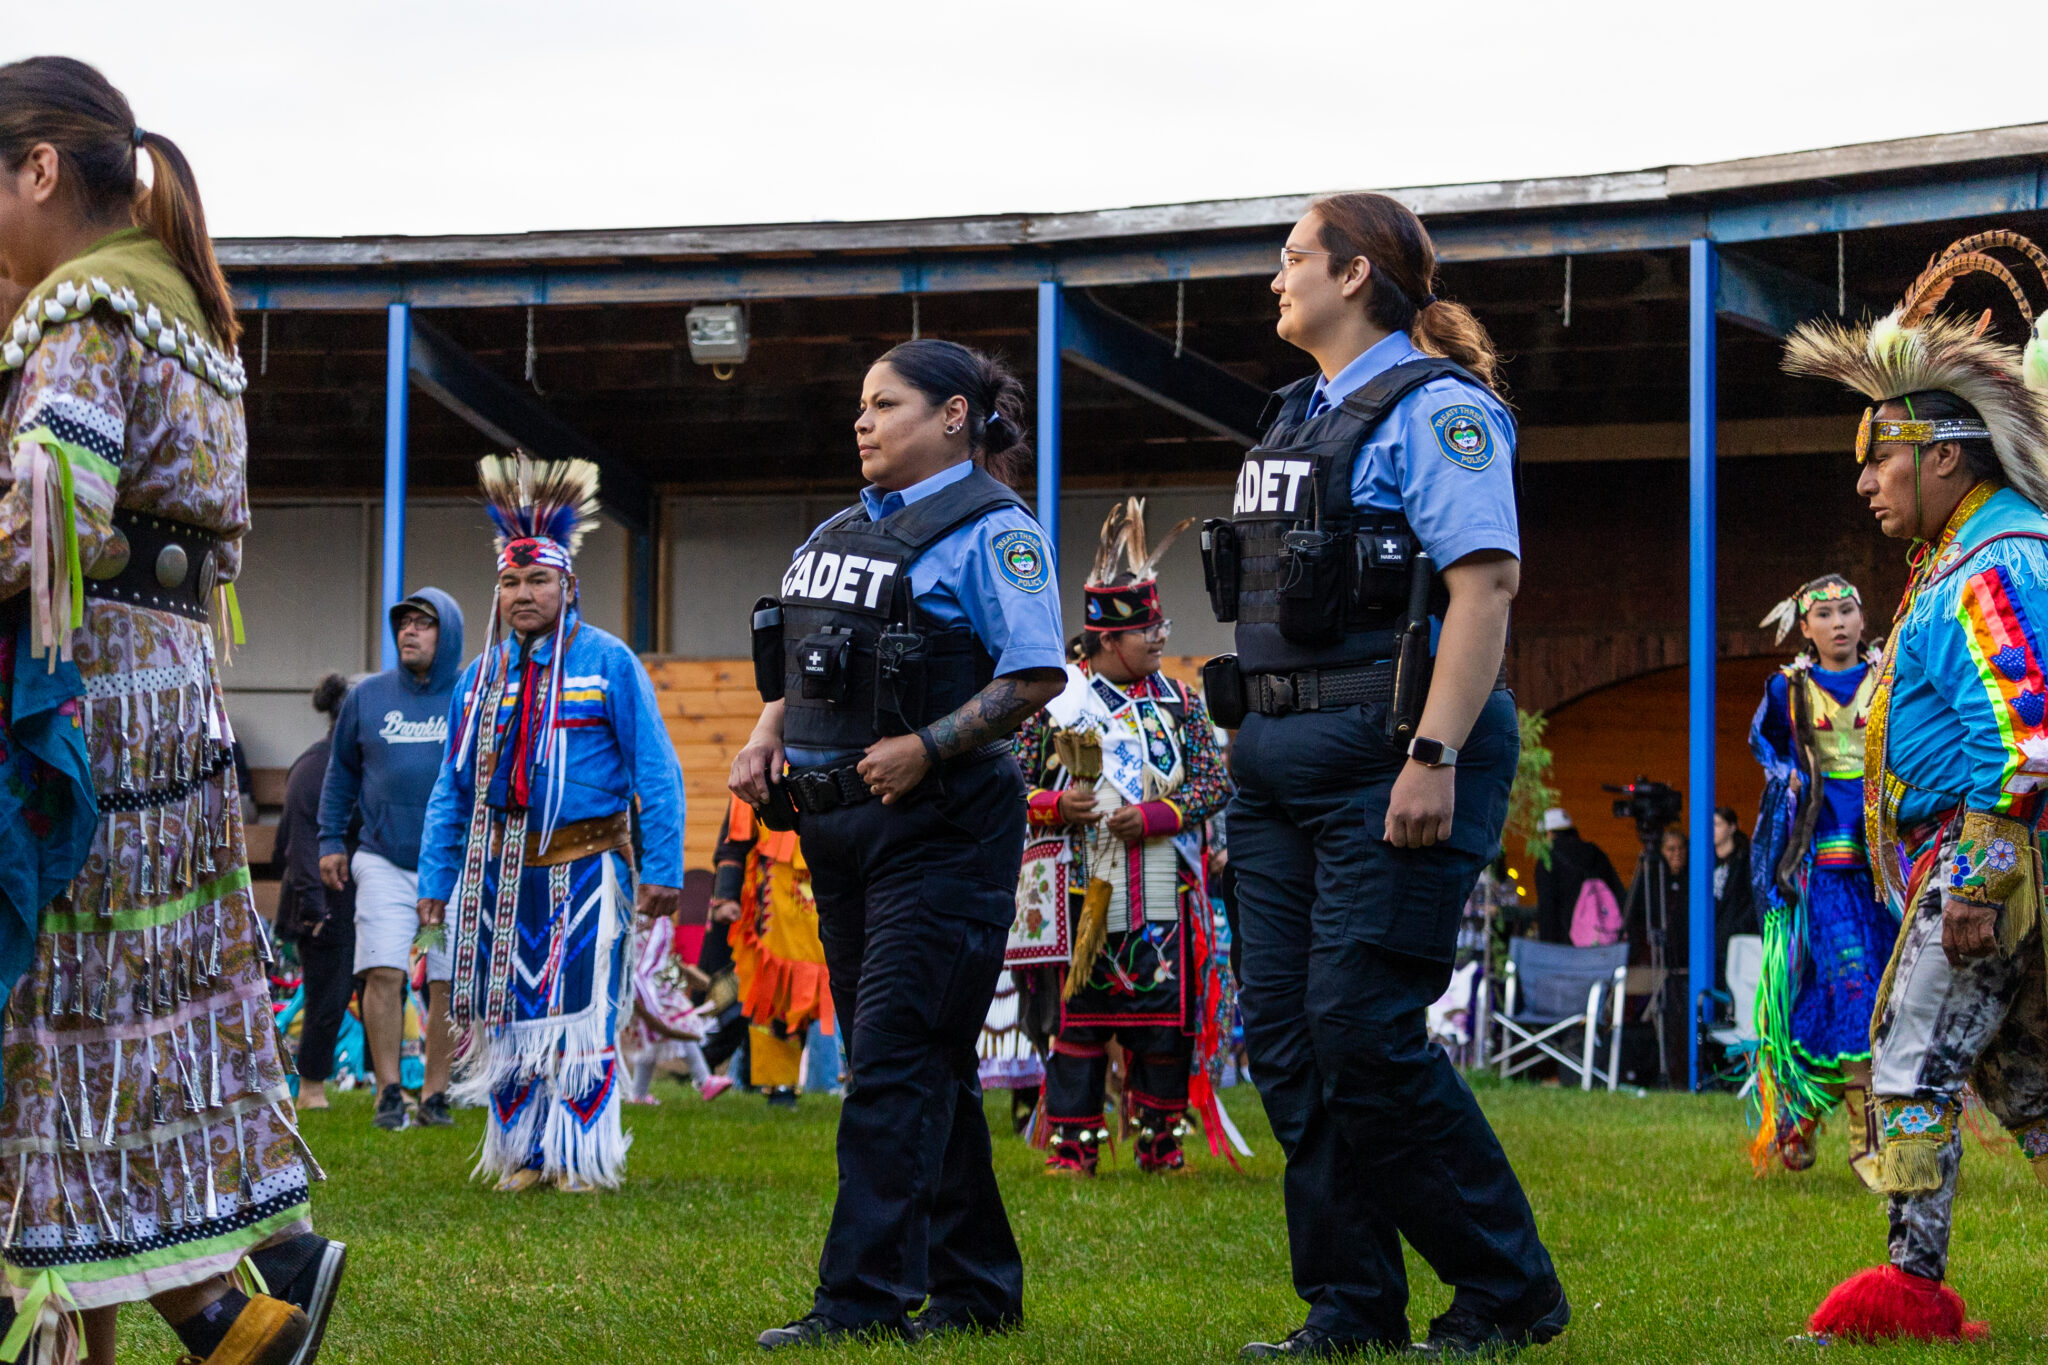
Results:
<point x="718" y="333"/>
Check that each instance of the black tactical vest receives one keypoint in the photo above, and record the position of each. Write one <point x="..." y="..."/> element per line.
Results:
<point x="1321" y="583"/>
<point x="860" y="660"/>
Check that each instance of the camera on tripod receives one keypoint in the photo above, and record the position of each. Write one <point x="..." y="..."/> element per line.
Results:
<point x="1652" y="805"/>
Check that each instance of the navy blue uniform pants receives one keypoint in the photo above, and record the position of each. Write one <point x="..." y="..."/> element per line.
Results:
<point x="1347" y="941"/>
<point x="914" y="906"/>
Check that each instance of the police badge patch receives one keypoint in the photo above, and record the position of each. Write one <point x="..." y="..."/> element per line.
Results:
<point x="1021" y="558"/>
<point x="1462" y="435"/>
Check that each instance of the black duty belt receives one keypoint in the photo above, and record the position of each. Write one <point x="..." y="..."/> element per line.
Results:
<point x="1327" y="689"/>
<point x="1319" y="689"/>
<point x="813" y="791"/>
<point x="158" y="563"/>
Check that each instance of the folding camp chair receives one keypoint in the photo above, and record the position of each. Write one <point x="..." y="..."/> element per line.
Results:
<point x="1552" y="988"/>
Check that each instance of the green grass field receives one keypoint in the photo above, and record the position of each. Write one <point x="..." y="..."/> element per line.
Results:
<point x="1669" y="1249"/>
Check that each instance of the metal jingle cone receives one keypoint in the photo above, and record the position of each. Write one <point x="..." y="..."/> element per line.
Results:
<point x="156" y="1102"/>
<point x="69" y="1124"/>
<point x="98" y="1010"/>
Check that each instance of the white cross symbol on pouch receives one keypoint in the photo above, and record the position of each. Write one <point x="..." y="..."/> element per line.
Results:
<point x="813" y="659"/>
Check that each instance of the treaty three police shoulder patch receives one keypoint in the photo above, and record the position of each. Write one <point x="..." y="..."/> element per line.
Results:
<point x="1462" y="435"/>
<point x="1021" y="558"/>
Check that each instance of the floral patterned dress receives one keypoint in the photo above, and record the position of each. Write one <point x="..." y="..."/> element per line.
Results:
<point x="147" y="1139"/>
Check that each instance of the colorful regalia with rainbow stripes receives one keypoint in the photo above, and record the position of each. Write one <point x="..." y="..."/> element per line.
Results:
<point x="1956" y="765"/>
<point x="561" y="768"/>
<point x="1826" y="936"/>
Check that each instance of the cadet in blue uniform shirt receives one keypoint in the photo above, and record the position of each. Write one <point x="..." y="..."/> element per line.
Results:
<point x="1356" y="839"/>
<point x="912" y="634"/>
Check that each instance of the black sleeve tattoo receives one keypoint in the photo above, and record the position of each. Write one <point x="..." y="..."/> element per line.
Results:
<point x="989" y="714"/>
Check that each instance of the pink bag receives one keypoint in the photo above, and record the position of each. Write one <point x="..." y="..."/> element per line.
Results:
<point x="1596" y="919"/>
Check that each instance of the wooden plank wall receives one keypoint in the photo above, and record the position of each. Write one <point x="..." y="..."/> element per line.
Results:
<point x="710" y="706"/>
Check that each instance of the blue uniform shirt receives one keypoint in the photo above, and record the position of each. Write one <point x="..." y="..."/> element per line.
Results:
<point x="966" y="577"/>
<point x="1444" y="456"/>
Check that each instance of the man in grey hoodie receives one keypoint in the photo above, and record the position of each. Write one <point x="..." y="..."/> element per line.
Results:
<point x="389" y="741"/>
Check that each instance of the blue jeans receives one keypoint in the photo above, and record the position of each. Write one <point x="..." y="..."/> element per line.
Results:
<point x="1346" y="941"/>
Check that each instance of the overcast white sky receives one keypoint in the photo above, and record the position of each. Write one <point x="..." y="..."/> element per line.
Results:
<point x="430" y="116"/>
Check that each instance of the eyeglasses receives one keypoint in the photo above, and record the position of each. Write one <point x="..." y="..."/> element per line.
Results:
<point x="1289" y="256"/>
<point x="1160" y="633"/>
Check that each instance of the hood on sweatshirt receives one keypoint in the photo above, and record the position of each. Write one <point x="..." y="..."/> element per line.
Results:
<point x="447" y="650"/>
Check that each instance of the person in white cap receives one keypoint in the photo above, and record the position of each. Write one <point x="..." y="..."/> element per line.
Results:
<point x="1572" y="862"/>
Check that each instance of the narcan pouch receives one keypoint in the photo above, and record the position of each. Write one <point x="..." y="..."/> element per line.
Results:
<point x="768" y="649"/>
<point x="1220" y="566"/>
<point x="1223" y="691"/>
<point x="824" y="661"/>
<point x="1311" y="588"/>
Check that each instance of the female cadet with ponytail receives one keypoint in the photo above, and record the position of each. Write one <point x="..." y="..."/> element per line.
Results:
<point x="149" y="1134"/>
<point x="913" y="633"/>
<point x="1378" y="507"/>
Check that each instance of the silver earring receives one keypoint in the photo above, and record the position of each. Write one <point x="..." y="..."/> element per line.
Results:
<point x="953" y="430"/>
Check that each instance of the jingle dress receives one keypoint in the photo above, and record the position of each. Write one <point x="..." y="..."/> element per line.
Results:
<point x="147" y="1140"/>
<point x="1826" y="935"/>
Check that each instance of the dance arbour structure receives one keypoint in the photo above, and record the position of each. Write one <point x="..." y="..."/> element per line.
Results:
<point x="1640" y="315"/>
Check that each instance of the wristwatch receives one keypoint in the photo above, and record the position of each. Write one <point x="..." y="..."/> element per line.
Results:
<point x="1432" y="753"/>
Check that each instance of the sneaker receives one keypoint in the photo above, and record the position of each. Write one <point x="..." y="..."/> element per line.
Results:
<point x="392" y="1114"/>
<point x="1313" y="1343"/>
<point x="305" y="1272"/>
<point x="782" y="1097"/>
<point x="434" y="1111"/>
<point x="1073" y="1156"/>
<point x="715" y="1087"/>
<point x="1464" y="1334"/>
<point x="815" y="1329"/>
<point x="1160" y="1152"/>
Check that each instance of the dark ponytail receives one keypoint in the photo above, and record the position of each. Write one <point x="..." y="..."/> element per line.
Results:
<point x="941" y="370"/>
<point x="71" y="106"/>
<point x="1401" y="293"/>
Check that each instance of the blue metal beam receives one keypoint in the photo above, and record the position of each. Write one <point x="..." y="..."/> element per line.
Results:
<point x="1136" y="358"/>
<point x="1702" y="654"/>
<point x="1768" y="298"/>
<point x="397" y="401"/>
<point x="510" y="416"/>
<point x="1654" y="225"/>
<point x="1048" y="435"/>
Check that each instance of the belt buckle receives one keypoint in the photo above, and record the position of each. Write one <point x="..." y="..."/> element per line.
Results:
<point x="811" y="789"/>
<point x="1279" y="693"/>
<point x="1308" y="691"/>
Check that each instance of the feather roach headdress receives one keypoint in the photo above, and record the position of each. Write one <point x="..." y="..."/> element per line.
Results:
<point x="1123" y="584"/>
<point x="540" y="509"/>
<point x="1914" y="350"/>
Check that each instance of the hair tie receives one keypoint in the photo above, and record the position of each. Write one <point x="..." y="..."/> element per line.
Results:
<point x="993" y="422"/>
<point x="1427" y="299"/>
<point x="136" y="136"/>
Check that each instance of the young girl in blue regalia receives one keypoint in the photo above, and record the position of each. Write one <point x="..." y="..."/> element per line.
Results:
<point x="1826" y="936"/>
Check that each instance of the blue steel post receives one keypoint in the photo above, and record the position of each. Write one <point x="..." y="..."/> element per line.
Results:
<point x="1702" y="653"/>
<point x="1049" y="416"/>
<point x="397" y="396"/>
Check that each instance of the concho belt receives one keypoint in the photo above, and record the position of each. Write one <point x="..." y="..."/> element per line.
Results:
<point x="157" y="563"/>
